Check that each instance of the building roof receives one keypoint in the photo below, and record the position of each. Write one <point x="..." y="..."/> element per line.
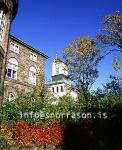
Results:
<point x="28" y="46"/>
<point x="57" y="83"/>
<point x="58" y="60"/>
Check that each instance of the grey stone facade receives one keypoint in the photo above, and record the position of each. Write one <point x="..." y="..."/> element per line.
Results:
<point x="24" y="64"/>
<point x="9" y="7"/>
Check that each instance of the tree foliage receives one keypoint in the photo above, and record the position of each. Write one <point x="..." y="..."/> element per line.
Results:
<point x="82" y="57"/>
<point x="117" y="65"/>
<point x="111" y="33"/>
<point x="110" y="95"/>
<point x="114" y="86"/>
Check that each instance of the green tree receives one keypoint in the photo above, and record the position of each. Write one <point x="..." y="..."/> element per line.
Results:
<point x="117" y="65"/>
<point x="110" y="95"/>
<point x="111" y="33"/>
<point x="114" y="86"/>
<point x="82" y="57"/>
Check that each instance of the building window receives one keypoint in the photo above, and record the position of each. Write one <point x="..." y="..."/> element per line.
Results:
<point x="14" y="47"/>
<point x="62" y="89"/>
<point x="11" y="97"/>
<point x="57" y="89"/>
<point x="53" y="89"/>
<point x="32" y="76"/>
<point x="57" y="70"/>
<point x="2" y="24"/>
<point x="1" y="66"/>
<point x="12" y="68"/>
<point x="33" y="57"/>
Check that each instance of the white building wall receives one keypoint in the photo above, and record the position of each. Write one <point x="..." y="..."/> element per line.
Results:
<point x="53" y="69"/>
<point x="60" y="66"/>
<point x="66" y="91"/>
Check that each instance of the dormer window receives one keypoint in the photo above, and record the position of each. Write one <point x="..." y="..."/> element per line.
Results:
<point x="33" y="57"/>
<point x="2" y="24"/>
<point x="14" y="47"/>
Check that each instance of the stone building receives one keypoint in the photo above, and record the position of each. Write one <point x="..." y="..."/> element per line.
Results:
<point x="20" y="64"/>
<point x="8" y="10"/>
<point x="60" y="84"/>
<point x="24" y="66"/>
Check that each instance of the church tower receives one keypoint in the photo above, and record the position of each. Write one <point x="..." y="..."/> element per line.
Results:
<point x="8" y="11"/>
<point x="60" y="84"/>
<point x="59" y="71"/>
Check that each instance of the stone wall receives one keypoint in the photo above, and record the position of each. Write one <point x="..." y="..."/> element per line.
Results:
<point x="8" y="8"/>
<point x="24" y="64"/>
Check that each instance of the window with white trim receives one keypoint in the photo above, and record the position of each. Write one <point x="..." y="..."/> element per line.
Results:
<point x="11" y="97"/>
<point x="53" y="90"/>
<point x="33" y="57"/>
<point x="14" y="47"/>
<point x="62" y="89"/>
<point x="32" y="76"/>
<point x="2" y="24"/>
<point x="57" y="89"/>
<point x="12" y="68"/>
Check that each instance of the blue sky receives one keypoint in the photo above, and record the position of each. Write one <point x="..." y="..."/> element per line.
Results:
<point x="50" y="25"/>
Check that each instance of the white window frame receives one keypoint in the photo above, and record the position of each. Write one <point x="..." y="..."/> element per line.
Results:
<point x="32" y="76"/>
<point x="12" y="68"/>
<point x="33" y="57"/>
<point x="11" y="96"/>
<point x="14" y="47"/>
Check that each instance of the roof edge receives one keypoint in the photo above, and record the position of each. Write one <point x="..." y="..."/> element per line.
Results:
<point x="28" y="46"/>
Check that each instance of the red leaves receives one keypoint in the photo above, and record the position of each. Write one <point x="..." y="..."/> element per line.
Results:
<point x="26" y="135"/>
<point x="54" y="134"/>
<point x="37" y="135"/>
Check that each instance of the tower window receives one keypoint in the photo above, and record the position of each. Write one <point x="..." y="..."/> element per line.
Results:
<point x="14" y="47"/>
<point x="32" y="76"/>
<point x="2" y="24"/>
<point x="53" y="89"/>
<point x="57" y="89"/>
<point x="61" y="88"/>
<point x="33" y="57"/>
<point x="57" y="70"/>
<point x="12" y="68"/>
